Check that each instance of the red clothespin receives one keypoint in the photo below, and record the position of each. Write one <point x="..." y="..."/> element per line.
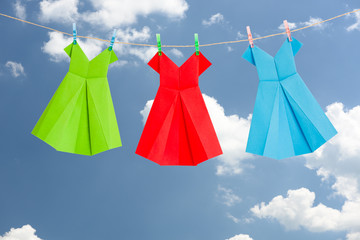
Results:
<point x="250" y="37"/>
<point x="286" y="25"/>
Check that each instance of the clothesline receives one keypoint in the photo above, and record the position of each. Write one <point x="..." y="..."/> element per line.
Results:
<point x="182" y="46"/>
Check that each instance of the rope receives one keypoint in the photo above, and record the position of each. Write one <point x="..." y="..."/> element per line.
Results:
<point x="182" y="46"/>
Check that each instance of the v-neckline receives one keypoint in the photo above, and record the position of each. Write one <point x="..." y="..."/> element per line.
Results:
<point x="175" y="63"/>
<point x="93" y="57"/>
<point x="273" y="57"/>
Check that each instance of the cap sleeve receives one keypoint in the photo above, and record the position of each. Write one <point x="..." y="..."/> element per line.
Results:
<point x="295" y="45"/>
<point x="68" y="49"/>
<point x="113" y="57"/>
<point x="203" y="63"/>
<point x="155" y="62"/>
<point x="249" y="56"/>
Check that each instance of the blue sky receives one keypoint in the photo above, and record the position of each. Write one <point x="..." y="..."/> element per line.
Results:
<point x="51" y="195"/>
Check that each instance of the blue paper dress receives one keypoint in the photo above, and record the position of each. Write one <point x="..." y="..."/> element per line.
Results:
<point x="287" y="120"/>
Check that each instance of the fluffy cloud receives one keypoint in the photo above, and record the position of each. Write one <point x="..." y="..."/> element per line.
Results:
<point x="145" y="112"/>
<point x="55" y="47"/>
<point x="132" y="35"/>
<point x="123" y="12"/>
<point x="233" y="145"/>
<point x="312" y="20"/>
<point x="240" y="35"/>
<point x="356" y="25"/>
<point x="240" y="237"/>
<point x="216" y="18"/>
<point x="234" y="219"/>
<point x="176" y="53"/>
<point x="291" y="26"/>
<point x="26" y="232"/>
<point x="49" y="10"/>
<point x="298" y="210"/>
<point x="15" y="68"/>
<point x="338" y="160"/>
<point x="228" y="197"/>
<point x="20" y="10"/>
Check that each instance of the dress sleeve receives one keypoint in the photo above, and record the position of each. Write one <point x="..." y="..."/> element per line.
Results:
<point x="155" y="62"/>
<point x="248" y="55"/>
<point x="295" y="45"/>
<point x="68" y="49"/>
<point x="113" y="57"/>
<point x="203" y="63"/>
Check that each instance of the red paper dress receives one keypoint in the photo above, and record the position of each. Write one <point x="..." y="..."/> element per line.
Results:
<point x="179" y="130"/>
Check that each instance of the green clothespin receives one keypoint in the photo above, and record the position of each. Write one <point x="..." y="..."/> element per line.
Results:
<point x="196" y="43"/>
<point x="158" y="43"/>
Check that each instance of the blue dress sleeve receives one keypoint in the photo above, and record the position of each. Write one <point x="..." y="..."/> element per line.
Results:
<point x="295" y="45"/>
<point x="248" y="55"/>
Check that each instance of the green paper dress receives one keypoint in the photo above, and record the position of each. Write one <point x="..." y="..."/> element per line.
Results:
<point x="80" y="117"/>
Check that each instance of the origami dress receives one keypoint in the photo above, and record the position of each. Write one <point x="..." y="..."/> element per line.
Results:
<point x="80" y="117"/>
<point x="287" y="120"/>
<point x="178" y="130"/>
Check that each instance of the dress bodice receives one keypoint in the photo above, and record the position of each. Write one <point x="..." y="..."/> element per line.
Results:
<point x="275" y="68"/>
<point x="183" y="77"/>
<point x="95" y="68"/>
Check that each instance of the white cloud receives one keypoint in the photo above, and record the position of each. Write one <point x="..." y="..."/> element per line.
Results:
<point x="338" y="159"/>
<point x="297" y="210"/>
<point x="145" y="112"/>
<point x="229" y="198"/>
<point x="240" y="237"/>
<point x="234" y="219"/>
<point x="292" y="25"/>
<point x="111" y="13"/>
<point x="313" y="20"/>
<point x="233" y="145"/>
<point x="15" y="68"/>
<point x="216" y="18"/>
<point x="230" y="49"/>
<point x="177" y="53"/>
<point x="132" y="35"/>
<point x="55" y="47"/>
<point x="20" y="10"/>
<point x="26" y="232"/>
<point x="144" y="53"/>
<point x="353" y="236"/>
<point x="239" y="35"/>
<point x="356" y="25"/>
<point x="63" y="11"/>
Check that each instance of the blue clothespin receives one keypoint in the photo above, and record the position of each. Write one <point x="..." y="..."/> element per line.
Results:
<point x="112" y="40"/>
<point x="74" y="33"/>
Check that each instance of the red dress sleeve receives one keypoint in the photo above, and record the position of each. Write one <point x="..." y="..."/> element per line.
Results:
<point x="155" y="63"/>
<point x="203" y="63"/>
